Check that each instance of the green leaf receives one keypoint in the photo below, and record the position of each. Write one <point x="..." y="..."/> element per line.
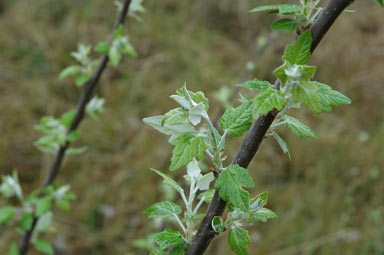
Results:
<point x="280" y="73"/>
<point x="13" y="249"/>
<point x="261" y="215"/>
<point x="217" y="224"/>
<point x="73" y="135"/>
<point x="178" y="249"/>
<point x="306" y="92"/>
<point x="193" y="218"/>
<point x="298" y="128"/>
<point x="187" y="147"/>
<point x="197" y="97"/>
<point x="283" y="145"/>
<point x="229" y="184"/>
<point x="114" y="55"/>
<point x="26" y="221"/>
<point x="165" y="208"/>
<point x="237" y="120"/>
<point x="380" y="2"/>
<point x="259" y="201"/>
<point x="102" y="47"/>
<point x="76" y="151"/>
<point x="81" y="79"/>
<point x="119" y="31"/>
<point x="288" y="25"/>
<point x="167" y="238"/>
<point x="256" y="85"/>
<point x="307" y="72"/>
<point x="43" y="205"/>
<point x="67" y="118"/>
<point x="175" y="116"/>
<point x="282" y="8"/>
<point x="168" y="129"/>
<point x="330" y="97"/>
<point x="70" y="70"/>
<point x="238" y="240"/>
<point x="169" y="181"/>
<point x="6" y="214"/>
<point x="266" y="101"/>
<point x="127" y="48"/>
<point x="207" y="195"/>
<point x="299" y="52"/>
<point x="43" y="246"/>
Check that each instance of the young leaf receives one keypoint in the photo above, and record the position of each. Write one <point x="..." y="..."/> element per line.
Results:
<point x="298" y="128"/>
<point x="169" y="181"/>
<point x="204" y="181"/>
<point x="266" y="101"/>
<point x="256" y="85"/>
<point x="165" y="208"/>
<point x="306" y="92"/>
<point x="6" y="214"/>
<point x="380" y="2"/>
<point x="238" y="240"/>
<point x="282" y="8"/>
<point x="195" y="113"/>
<point x="43" y="246"/>
<point x="288" y="25"/>
<point x="187" y="147"/>
<point x="299" y="52"/>
<point x="229" y="184"/>
<point x="167" y="238"/>
<point x="283" y="145"/>
<point x="70" y="70"/>
<point x="237" y="120"/>
<point x="193" y="169"/>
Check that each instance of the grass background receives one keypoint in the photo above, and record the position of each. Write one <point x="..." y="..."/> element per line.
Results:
<point x="329" y="196"/>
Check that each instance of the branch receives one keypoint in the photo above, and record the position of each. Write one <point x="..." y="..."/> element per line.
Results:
<point x="257" y="132"/>
<point x="79" y="116"/>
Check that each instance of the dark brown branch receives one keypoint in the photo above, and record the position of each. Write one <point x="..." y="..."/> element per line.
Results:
<point x="257" y="132"/>
<point x="80" y="111"/>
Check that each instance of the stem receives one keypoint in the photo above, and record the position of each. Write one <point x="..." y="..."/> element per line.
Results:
<point x="180" y="223"/>
<point x="222" y="140"/>
<point x="256" y="134"/>
<point x="210" y="155"/>
<point x="278" y="124"/>
<point x="80" y="111"/>
<point x="184" y="198"/>
<point x="198" y="205"/>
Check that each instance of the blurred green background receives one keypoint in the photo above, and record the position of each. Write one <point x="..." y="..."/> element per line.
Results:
<point x="329" y="197"/>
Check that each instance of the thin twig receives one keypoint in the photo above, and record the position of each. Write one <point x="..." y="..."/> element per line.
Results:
<point x="256" y="134"/>
<point x="80" y="111"/>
